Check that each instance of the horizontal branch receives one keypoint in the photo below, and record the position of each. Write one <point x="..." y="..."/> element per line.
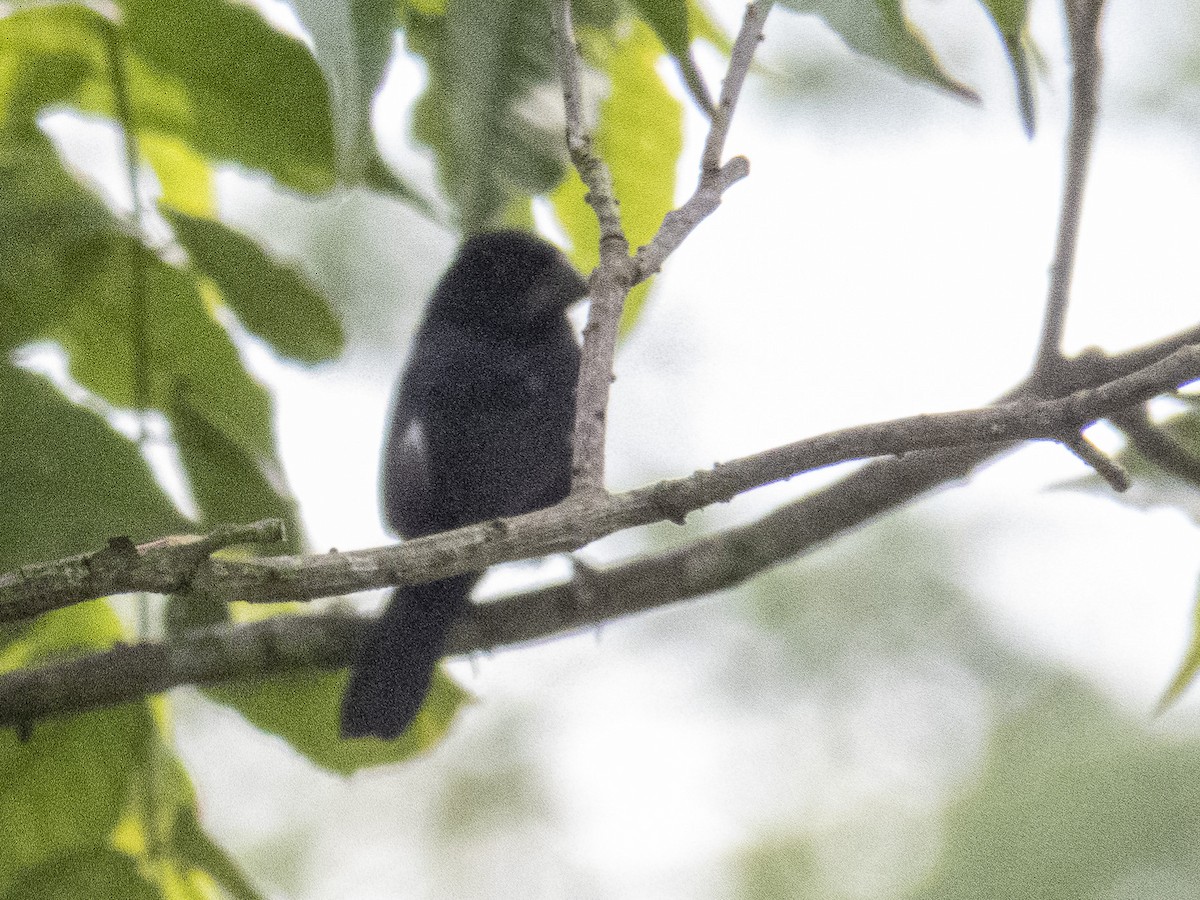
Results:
<point x="163" y="566"/>
<point x="579" y="520"/>
<point x="712" y="563"/>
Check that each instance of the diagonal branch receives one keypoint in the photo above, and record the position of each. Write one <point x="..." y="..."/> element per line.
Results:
<point x="579" y="520"/>
<point x="1083" y="23"/>
<point x="715" y="177"/>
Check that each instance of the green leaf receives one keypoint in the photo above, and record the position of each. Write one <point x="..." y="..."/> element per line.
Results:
<point x="639" y="136"/>
<point x="1070" y="801"/>
<point x="215" y="74"/>
<point x="880" y="30"/>
<point x="193" y="847"/>
<point x="272" y="300"/>
<point x="1010" y="18"/>
<point x="353" y="41"/>
<point x="1188" y="668"/>
<point x="97" y="873"/>
<point x="70" y="481"/>
<point x="669" y="19"/>
<point x="303" y="709"/>
<point x="705" y="28"/>
<point x="171" y="334"/>
<point x="209" y="73"/>
<point x="65" y="787"/>
<point x="185" y="177"/>
<point x="484" y="62"/>
<point x="230" y="482"/>
<point x="49" y="55"/>
<point x="189" y="369"/>
<point x="47" y="221"/>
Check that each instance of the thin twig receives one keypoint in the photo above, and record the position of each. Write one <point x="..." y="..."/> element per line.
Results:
<point x="740" y="57"/>
<point x="138" y="310"/>
<point x="1083" y="20"/>
<point x="715" y="178"/>
<point x="592" y="170"/>
<point x="1108" y="469"/>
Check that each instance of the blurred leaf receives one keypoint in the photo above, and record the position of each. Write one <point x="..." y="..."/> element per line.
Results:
<point x="215" y="74"/>
<point x="97" y="873"/>
<point x="50" y="54"/>
<point x="426" y="7"/>
<point x="229" y="481"/>
<point x="1010" y="18"/>
<point x="639" y="136"/>
<point x="186" y="177"/>
<point x="46" y="220"/>
<point x="779" y="867"/>
<point x="706" y="28"/>
<point x="1072" y="802"/>
<point x="210" y="73"/>
<point x="64" y="789"/>
<point x="272" y="300"/>
<point x="1186" y="673"/>
<point x="669" y="19"/>
<point x="304" y="709"/>
<point x="183" y="352"/>
<point x="485" y="61"/>
<point x="353" y="40"/>
<point x="379" y="176"/>
<point x="191" y="845"/>
<point x="879" y="29"/>
<point x="182" y="348"/>
<point x="71" y="482"/>
<point x="73" y="278"/>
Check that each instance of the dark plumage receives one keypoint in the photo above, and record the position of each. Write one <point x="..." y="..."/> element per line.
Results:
<point x="481" y="428"/>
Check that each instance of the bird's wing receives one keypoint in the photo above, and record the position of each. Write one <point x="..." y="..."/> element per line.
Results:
<point x="408" y="489"/>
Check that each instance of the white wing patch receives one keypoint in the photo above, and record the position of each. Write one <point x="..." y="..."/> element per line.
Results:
<point x="413" y="438"/>
<point x="409" y="482"/>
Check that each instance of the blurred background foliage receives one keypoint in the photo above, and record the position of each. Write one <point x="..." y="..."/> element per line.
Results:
<point x="861" y="728"/>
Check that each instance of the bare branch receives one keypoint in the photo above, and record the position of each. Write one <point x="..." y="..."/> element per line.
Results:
<point x="203" y="656"/>
<point x="617" y="273"/>
<point x="163" y="566"/>
<point x="740" y="57"/>
<point x="580" y="520"/>
<point x="712" y="563"/>
<point x="591" y="168"/>
<point x="610" y="282"/>
<point x="1083" y="21"/>
<point x="715" y="178"/>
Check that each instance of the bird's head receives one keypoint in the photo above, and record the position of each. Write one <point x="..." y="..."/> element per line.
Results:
<point x="508" y="281"/>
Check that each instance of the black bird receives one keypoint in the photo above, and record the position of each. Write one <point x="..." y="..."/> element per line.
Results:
<point x="481" y="428"/>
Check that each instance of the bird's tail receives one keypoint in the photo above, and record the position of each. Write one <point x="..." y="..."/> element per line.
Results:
<point x="391" y="676"/>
